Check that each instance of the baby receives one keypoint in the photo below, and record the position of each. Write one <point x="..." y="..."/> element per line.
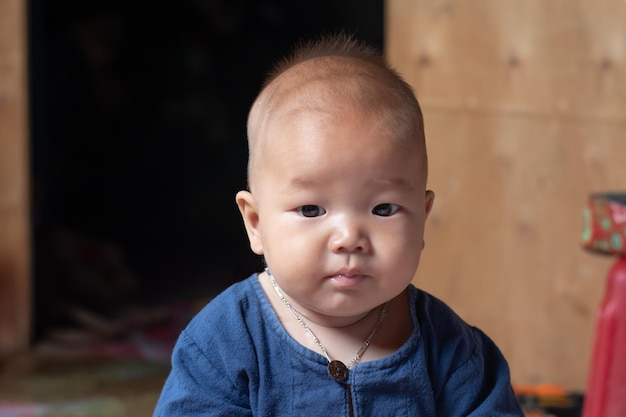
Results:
<point x="336" y="205"/>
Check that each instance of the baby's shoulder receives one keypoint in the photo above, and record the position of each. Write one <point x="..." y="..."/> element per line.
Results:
<point x="229" y="310"/>
<point x="443" y="331"/>
<point x="433" y="312"/>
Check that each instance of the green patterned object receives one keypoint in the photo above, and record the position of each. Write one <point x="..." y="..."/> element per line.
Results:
<point x="604" y="224"/>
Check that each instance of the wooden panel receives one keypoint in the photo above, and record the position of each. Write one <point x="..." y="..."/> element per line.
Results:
<point x="15" y="297"/>
<point x="525" y="107"/>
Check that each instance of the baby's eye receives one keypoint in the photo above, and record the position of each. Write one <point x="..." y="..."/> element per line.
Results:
<point x="386" y="209"/>
<point x="311" y="210"/>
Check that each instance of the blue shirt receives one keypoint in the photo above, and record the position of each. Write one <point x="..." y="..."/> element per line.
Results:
<point x="236" y="359"/>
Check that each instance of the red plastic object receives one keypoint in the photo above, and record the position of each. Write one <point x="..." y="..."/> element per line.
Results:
<point x="606" y="387"/>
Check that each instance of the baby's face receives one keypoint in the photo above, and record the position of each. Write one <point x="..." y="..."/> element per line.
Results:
<point x="338" y="209"/>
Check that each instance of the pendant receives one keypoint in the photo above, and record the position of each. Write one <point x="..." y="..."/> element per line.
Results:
<point x="338" y="371"/>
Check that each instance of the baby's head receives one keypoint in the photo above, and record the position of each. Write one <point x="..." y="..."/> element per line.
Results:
<point x="334" y="75"/>
<point x="337" y="196"/>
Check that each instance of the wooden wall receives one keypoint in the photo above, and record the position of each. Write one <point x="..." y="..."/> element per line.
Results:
<point x="15" y="297"/>
<point x="525" y="108"/>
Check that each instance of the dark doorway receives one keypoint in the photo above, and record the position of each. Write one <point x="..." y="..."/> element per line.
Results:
<point x="138" y="138"/>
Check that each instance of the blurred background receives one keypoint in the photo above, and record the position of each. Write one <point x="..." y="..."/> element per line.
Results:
<point x="122" y="144"/>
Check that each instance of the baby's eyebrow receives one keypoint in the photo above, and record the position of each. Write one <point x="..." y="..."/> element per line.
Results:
<point x="301" y="182"/>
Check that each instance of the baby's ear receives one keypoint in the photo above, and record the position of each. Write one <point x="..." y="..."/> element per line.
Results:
<point x="429" y="200"/>
<point x="248" y="209"/>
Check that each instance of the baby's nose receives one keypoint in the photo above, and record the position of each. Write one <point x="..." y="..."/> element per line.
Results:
<point x="349" y="235"/>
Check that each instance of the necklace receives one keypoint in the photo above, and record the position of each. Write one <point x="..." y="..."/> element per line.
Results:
<point x="337" y="370"/>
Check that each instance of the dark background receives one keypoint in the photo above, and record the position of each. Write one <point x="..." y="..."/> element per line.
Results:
<point x="139" y="145"/>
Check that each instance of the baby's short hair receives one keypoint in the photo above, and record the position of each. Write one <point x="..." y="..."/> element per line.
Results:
<point x="329" y="73"/>
<point x="340" y="45"/>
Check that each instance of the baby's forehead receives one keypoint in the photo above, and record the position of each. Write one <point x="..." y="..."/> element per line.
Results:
<point x="313" y="131"/>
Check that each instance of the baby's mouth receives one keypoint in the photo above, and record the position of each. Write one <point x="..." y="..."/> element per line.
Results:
<point x="347" y="279"/>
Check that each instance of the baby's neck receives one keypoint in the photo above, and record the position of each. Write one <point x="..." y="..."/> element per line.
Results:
<point x="343" y="337"/>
